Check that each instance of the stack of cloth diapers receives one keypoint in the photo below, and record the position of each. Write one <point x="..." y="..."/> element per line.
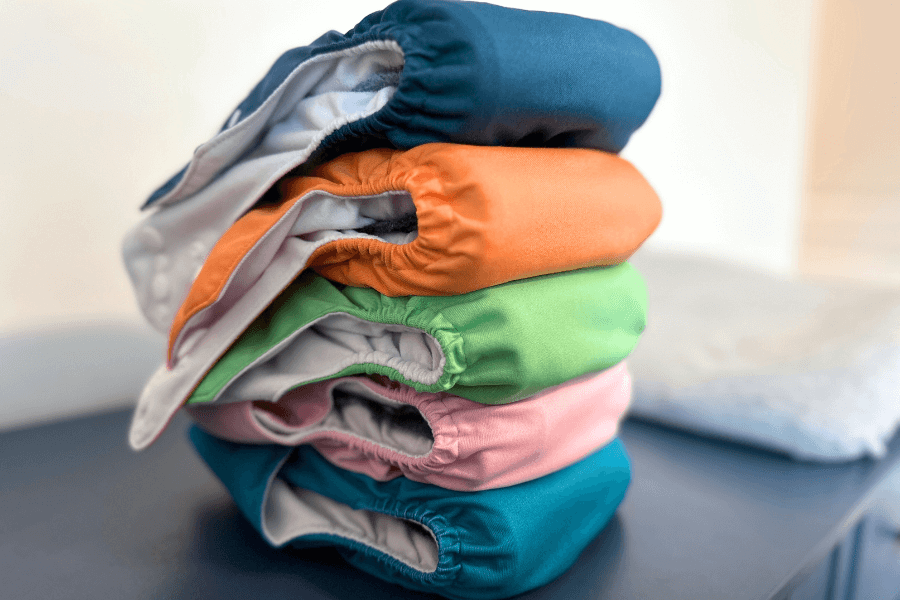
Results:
<point x="397" y="298"/>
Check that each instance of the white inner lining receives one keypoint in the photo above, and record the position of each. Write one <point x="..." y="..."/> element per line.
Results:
<point x="291" y="512"/>
<point x="329" y="344"/>
<point x="356" y="410"/>
<point x="229" y="173"/>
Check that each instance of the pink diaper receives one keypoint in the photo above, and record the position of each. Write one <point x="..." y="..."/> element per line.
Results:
<point x="385" y="429"/>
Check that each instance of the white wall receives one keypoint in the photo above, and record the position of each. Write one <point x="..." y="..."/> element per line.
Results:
<point x="725" y="145"/>
<point x="102" y="100"/>
<point x="851" y="210"/>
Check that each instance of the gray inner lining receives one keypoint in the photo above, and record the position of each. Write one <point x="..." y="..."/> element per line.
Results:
<point x="390" y="215"/>
<point x="358" y="411"/>
<point x="402" y="224"/>
<point x="390" y="77"/>
<point x="329" y="344"/>
<point x="318" y="218"/>
<point x="290" y="512"/>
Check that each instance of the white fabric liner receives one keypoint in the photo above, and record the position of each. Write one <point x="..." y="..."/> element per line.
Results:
<point x="229" y="173"/>
<point x="363" y="413"/>
<point x="290" y="512"/>
<point x="812" y="370"/>
<point x="316" y="219"/>
<point x="329" y="344"/>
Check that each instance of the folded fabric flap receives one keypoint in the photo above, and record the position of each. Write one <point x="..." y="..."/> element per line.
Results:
<point x="314" y="330"/>
<point x="342" y="411"/>
<point x="248" y="249"/>
<point x="427" y="350"/>
<point x="489" y="544"/>
<point x="328" y="346"/>
<point x="358" y="411"/>
<point x="291" y="512"/>
<point x="156" y="406"/>
<point x="195" y="356"/>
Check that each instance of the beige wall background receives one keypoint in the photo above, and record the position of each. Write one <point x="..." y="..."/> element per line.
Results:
<point x="851" y="210"/>
<point x="100" y="101"/>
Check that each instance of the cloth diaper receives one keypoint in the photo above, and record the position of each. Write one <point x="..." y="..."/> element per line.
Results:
<point x="487" y="544"/>
<point x="494" y="346"/>
<point x="446" y="219"/>
<point x="418" y="71"/>
<point x="385" y="429"/>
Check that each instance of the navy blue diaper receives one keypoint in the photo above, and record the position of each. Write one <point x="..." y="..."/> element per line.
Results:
<point x="479" y="74"/>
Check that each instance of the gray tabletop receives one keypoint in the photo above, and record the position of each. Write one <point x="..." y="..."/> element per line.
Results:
<point x="84" y="517"/>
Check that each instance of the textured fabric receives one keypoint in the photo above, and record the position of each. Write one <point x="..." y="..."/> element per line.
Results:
<point x="484" y="216"/>
<point x="488" y="544"/>
<point x="496" y="345"/>
<point x="386" y="429"/>
<point x="807" y="369"/>
<point x="419" y="71"/>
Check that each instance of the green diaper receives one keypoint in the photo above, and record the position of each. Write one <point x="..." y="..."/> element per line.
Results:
<point x="494" y="346"/>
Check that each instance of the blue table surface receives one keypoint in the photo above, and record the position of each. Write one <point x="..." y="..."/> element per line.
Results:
<point x="84" y="517"/>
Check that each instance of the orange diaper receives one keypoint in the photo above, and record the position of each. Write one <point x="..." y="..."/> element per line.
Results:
<point x="482" y="216"/>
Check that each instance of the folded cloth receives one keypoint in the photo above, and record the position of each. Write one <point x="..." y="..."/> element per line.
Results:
<point x="808" y="369"/>
<point x="418" y="71"/>
<point x="452" y="219"/>
<point x="495" y="346"/>
<point x="487" y="544"/>
<point x="385" y="429"/>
